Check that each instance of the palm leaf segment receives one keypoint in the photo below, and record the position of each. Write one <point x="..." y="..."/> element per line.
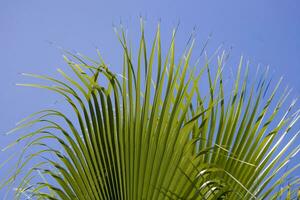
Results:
<point x="136" y="137"/>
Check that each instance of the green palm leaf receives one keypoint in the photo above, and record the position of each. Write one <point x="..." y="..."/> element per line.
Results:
<point x="136" y="137"/>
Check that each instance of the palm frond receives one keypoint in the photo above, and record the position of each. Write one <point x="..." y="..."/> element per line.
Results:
<point x="154" y="136"/>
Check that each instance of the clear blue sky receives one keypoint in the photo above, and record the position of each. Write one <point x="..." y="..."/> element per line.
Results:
<point x="266" y="32"/>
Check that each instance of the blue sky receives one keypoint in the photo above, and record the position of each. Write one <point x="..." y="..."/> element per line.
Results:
<point x="265" y="32"/>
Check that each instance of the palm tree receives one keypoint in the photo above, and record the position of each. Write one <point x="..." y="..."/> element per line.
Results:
<point x="150" y="133"/>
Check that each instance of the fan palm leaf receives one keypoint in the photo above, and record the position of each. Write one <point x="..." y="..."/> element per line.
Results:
<point x="135" y="137"/>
